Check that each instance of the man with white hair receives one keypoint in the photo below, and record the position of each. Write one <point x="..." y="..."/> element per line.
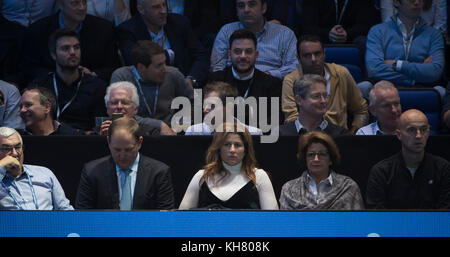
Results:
<point x="385" y="106"/>
<point x="122" y="98"/>
<point x="23" y="186"/>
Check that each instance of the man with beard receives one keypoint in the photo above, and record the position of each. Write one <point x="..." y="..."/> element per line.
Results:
<point x="276" y="43"/>
<point x="24" y="186"/>
<point x="344" y="98"/>
<point x="99" y="52"/>
<point x="412" y="178"/>
<point x="79" y="96"/>
<point x="243" y="75"/>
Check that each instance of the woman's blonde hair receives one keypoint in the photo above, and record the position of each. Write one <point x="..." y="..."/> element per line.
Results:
<point x="214" y="165"/>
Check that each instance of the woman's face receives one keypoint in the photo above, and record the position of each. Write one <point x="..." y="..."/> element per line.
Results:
<point x="232" y="151"/>
<point x="318" y="159"/>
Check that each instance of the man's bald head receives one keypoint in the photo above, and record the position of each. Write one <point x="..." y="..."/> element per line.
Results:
<point x="412" y="115"/>
<point x="413" y="131"/>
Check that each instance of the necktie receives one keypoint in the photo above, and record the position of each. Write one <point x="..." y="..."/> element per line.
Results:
<point x="126" y="200"/>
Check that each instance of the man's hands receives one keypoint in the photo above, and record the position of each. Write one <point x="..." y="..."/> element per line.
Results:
<point x="12" y="165"/>
<point x="337" y="34"/>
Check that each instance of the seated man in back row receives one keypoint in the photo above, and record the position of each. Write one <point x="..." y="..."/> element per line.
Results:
<point x="311" y="97"/>
<point x="344" y="97"/>
<point x="157" y="84"/>
<point x="385" y="106"/>
<point x="122" y="98"/>
<point x="276" y="43"/>
<point x="405" y="50"/>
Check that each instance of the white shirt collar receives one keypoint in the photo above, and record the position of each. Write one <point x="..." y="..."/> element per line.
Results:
<point x="236" y="76"/>
<point x="323" y="125"/>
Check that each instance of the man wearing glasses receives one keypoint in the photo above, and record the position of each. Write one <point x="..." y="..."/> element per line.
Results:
<point x="346" y="105"/>
<point x="411" y="179"/>
<point x="26" y="187"/>
<point x="311" y="97"/>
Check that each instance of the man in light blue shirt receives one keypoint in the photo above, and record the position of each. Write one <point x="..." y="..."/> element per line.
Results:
<point x="276" y="43"/>
<point x="26" y="187"/>
<point x="385" y="106"/>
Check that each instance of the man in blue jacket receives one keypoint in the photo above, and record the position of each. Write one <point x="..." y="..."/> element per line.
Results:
<point x="405" y="50"/>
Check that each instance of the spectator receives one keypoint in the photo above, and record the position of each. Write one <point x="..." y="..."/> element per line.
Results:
<point x="126" y="179"/>
<point x="412" y="178"/>
<point x="38" y="112"/>
<point x="230" y="179"/>
<point x="276" y="43"/>
<point x="122" y="98"/>
<point x="10" y="106"/>
<point x="320" y="186"/>
<point x="172" y="32"/>
<point x="157" y="83"/>
<point x="99" y="52"/>
<point x="434" y="13"/>
<point x="385" y="106"/>
<point x="242" y="75"/>
<point x="25" y="12"/>
<point x="79" y="95"/>
<point x="24" y="186"/>
<point x="343" y="94"/>
<point x="216" y="110"/>
<point x="311" y="97"/>
<point x="405" y="50"/>
<point x="339" y="21"/>
<point x="116" y="11"/>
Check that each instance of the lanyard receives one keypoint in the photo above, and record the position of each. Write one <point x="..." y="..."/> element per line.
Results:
<point x="58" y="112"/>
<point x="32" y="193"/>
<point x="339" y="17"/>
<point x="406" y="44"/>
<point x="137" y="78"/>
<point x="249" y="87"/>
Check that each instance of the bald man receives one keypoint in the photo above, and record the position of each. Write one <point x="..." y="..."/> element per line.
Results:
<point x="412" y="178"/>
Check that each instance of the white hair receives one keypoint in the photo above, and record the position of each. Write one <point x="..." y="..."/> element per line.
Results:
<point x="7" y="132"/>
<point x="126" y="85"/>
<point x="380" y="85"/>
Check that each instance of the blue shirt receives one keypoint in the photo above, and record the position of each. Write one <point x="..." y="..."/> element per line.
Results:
<point x="276" y="45"/>
<point x="133" y="176"/>
<point x="47" y="189"/>
<point x="370" y="130"/>
<point x="175" y="6"/>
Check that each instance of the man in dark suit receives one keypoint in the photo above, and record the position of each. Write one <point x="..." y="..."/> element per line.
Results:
<point x="311" y="97"/>
<point x="172" y="32"/>
<point x="125" y="180"/>
<point x="99" y="55"/>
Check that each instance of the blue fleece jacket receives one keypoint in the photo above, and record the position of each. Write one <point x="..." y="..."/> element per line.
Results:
<point x="385" y="42"/>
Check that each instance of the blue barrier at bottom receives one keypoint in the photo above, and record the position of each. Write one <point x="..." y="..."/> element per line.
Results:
<point x="223" y="224"/>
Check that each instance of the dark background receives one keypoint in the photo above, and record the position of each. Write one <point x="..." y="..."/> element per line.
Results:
<point x="65" y="156"/>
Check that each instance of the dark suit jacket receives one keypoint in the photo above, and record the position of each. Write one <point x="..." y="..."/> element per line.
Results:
<point x="98" y="47"/>
<point x="319" y="17"/>
<point x="191" y="58"/>
<point x="98" y="188"/>
<point x="332" y="130"/>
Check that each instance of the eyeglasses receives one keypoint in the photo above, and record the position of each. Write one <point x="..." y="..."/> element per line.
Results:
<point x="318" y="96"/>
<point x="312" y="155"/>
<point x="6" y="149"/>
<point x="413" y="130"/>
